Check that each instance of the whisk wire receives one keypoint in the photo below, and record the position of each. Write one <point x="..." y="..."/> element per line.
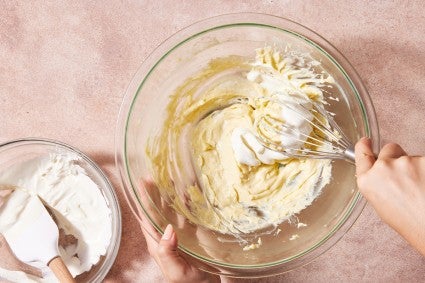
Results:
<point x="329" y="141"/>
<point x="326" y="129"/>
<point x="343" y="139"/>
<point x="272" y="123"/>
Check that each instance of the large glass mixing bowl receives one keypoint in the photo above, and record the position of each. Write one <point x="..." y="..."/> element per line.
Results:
<point x="142" y="117"/>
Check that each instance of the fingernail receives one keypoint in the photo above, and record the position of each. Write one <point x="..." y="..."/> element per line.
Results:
<point x="168" y="232"/>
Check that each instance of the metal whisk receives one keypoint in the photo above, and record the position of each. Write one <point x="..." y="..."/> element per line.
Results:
<point x="326" y="141"/>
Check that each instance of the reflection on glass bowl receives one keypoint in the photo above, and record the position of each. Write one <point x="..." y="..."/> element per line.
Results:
<point x="144" y="113"/>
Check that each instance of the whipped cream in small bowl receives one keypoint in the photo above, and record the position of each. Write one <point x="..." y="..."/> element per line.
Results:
<point x="76" y="192"/>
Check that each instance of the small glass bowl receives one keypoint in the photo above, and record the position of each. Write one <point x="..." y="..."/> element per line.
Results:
<point x="21" y="150"/>
<point x="144" y="111"/>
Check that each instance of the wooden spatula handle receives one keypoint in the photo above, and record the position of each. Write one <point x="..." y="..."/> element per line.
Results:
<point x="61" y="271"/>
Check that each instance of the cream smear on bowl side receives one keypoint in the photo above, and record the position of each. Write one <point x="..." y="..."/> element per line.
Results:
<point x="78" y="206"/>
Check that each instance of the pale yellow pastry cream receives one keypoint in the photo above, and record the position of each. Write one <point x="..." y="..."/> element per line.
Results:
<point x="207" y="159"/>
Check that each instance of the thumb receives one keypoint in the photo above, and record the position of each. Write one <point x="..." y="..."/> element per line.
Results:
<point x="174" y="266"/>
<point x="364" y="156"/>
<point x="168" y="255"/>
<point x="168" y="244"/>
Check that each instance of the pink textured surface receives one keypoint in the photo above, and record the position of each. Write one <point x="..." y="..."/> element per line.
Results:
<point x="64" y="67"/>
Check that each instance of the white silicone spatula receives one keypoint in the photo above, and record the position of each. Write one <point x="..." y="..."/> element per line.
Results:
<point x="9" y="261"/>
<point x="35" y="236"/>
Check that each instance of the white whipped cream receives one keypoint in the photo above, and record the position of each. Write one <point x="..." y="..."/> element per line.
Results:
<point x="76" y="201"/>
<point x="286" y="86"/>
<point x="248" y="149"/>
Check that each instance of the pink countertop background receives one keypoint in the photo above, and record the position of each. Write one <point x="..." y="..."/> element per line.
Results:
<point x="65" y="65"/>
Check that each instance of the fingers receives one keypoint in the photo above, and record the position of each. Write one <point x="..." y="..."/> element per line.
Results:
<point x="164" y="251"/>
<point x="168" y="245"/>
<point x="391" y="150"/>
<point x="364" y="156"/>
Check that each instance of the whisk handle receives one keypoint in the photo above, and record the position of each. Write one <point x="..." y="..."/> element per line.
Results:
<point x="349" y="154"/>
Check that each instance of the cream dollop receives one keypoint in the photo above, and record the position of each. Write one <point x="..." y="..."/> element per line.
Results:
<point x="250" y="151"/>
